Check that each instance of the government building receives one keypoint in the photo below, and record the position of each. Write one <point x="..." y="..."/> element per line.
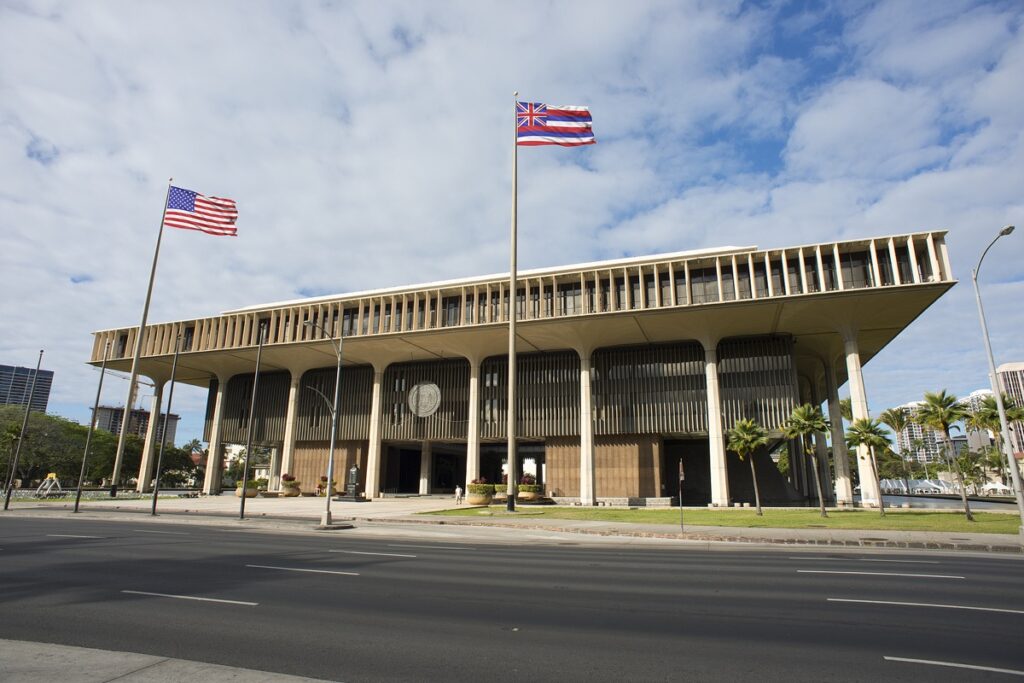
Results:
<point x="625" y="369"/>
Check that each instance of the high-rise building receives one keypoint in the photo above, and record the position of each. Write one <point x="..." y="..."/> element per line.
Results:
<point x="1011" y="381"/>
<point x="977" y="440"/>
<point x="16" y="383"/>
<point x="109" y="419"/>
<point x="916" y="441"/>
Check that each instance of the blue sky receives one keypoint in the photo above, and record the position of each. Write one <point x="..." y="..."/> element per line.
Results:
<point x="368" y="145"/>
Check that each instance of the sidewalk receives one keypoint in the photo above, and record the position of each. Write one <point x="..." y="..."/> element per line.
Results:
<point x="382" y="516"/>
<point x="26" y="662"/>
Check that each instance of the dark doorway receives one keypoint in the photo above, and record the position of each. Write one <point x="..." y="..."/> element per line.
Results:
<point x="402" y="471"/>
<point x="696" y="457"/>
<point x="449" y="469"/>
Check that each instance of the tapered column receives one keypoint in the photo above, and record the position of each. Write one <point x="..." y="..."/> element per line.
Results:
<point x="373" y="456"/>
<point x="824" y="471"/>
<point x="214" y="470"/>
<point x="859" y="401"/>
<point x="716" y="438"/>
<point x="840" y="456"/>
<point x="426" y="461"/>
<point x="291" y="416"/>
<point x="145" y="482"/>
<point x="275" y="470"/>
<point x="588" y="494"/>
<point x="473" y="428"/>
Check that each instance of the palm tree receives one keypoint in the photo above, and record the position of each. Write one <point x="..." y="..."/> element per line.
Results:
<point x="745" y="438"/>
<point x="803" y="423"/>
<point x="870" y="433"/>
<point x="897" y="420"/>
<point x="988" y="418"/>
<point x="939" y="411"/>
<point x="846" y="409"/>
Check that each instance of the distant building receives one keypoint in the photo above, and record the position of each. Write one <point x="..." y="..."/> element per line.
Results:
<point x="16" y="383"/>
<point x="1011" y="381"/>
<point x="917" y="442"/>
<point x="977" y="441"/>
<point x="109" y="419"/>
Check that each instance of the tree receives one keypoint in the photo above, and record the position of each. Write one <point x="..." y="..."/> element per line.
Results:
<point x="745" y="438"/>
<point x="804" y="422"/>
<point x="897" y="419"/>
<point x="939" y="411"/>
<point x="988" y="418"/>
<point x="846" y="409"/>
<point x="870" y="433"/>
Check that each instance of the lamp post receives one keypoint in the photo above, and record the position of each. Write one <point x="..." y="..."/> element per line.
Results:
<point x="994" y="380"/>
<point x="325" y="519"/>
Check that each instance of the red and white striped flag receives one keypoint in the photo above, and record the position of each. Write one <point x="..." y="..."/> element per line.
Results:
<point x="190" y="210"/>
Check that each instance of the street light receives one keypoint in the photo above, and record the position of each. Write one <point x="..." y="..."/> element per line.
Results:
<point x="325" y="519"/>
<point x="1003" y="427"/>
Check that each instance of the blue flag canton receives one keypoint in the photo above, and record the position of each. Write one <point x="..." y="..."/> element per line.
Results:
<point x="182" y="200"/>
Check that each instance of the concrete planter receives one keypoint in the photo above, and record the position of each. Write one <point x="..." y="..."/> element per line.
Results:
<point x="528" y="496"/>
<point x="250" y="492"/>
<point x="478" y="498"/>
<point x="290" y="491"/>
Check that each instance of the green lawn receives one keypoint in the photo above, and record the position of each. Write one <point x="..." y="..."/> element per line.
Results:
<point x="895" y="520"/>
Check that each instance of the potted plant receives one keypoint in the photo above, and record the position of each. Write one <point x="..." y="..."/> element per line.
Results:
<point x="529" y="489"/>
<point x="480" y="492"/>
<point x="321" y="489"/>
<point x="501" y="490"/>
<point x="289" y="486"/>
<point x="251" y="489"/>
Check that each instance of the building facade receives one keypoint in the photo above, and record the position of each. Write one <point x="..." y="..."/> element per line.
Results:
<point x="16" y="387"/>
<point x="625" y="368"/>
<point x="916" y="441"/>
<point x="109" y="419"/>
<point x="1011" y="382"/>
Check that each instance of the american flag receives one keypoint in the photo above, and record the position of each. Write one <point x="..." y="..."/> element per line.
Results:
<point x="190" y="210"/>
<point x="544" y="124"/>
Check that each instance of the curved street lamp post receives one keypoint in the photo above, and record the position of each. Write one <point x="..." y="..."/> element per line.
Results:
<point x="994" y="380"/>
<point x="325" y="519"/>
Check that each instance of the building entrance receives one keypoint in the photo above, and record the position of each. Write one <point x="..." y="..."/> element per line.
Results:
<point x="696" y="458"/>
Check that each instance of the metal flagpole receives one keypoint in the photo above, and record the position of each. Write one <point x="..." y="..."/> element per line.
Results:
<point x="138" y="353"/>
<point x="252" y="411"/>
<point x="92" y="425"/>
<point x="511" y="448"/>
<point x="167" y="418"/>
<point x="21" y="436"/>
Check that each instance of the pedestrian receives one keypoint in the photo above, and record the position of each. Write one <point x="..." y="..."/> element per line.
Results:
<point x="458" y="495"/>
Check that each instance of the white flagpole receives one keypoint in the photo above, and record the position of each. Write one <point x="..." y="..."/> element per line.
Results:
<point x="138" y="353"/>
<point x="511" y="448"/>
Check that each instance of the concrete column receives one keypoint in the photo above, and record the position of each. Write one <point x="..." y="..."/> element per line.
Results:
<point x="824" y="471"/>
<point x="473" y="429"/>
<point x="588" y="493"/>
<point x="716" y="438"/>
<point x="426" y="465"/>
<point x="859" y="399"/>
<point x="373" y="456"/>
<point x="214" y="469"/>
<point x="149" y="448"/>
<point x="840" y="456"/>
<point x="275" y="470"/>
<point x="288" y="446"/>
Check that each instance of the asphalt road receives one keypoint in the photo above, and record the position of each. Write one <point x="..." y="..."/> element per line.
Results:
<point x="329" y="606"/>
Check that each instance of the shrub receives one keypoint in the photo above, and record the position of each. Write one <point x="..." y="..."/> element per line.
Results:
<point x="527" y="478"/>
<point x="500" y="488"/>
<point x="479" y="480"/>
<point x="286" y="478"/>
<point x="480" y="488"/>
<point x="251" y="484"/>
<point x="531" y="488"/>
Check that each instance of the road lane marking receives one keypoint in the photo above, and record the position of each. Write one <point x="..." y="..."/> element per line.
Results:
<point x="956" y="665"/>
<point x="928" y="604"/>
<point x="430" y="547"/>
<point x="299" y="569"/>
<point x="192" y="597"/>
<point x="915" y="576"/>
<point x="864" y="559"/>
<point x="70" y="536"/>
<point x="172" y="533"/>
<point x="359" y="552"/>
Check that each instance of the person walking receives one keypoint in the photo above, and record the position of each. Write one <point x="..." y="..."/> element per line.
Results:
<point x="458" y="495"/>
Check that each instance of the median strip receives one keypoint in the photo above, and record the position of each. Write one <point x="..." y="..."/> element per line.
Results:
<point x="192" y="597"/>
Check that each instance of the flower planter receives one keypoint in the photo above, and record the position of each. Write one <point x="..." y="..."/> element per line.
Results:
<point x="478" y="498"/>
<point x="290" y="491"/>
<point x="528" y="496"/>
<point x="250" y="492"/>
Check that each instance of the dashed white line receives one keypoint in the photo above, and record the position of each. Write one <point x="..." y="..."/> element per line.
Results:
<point x="193" y="597"/>
<point x="170" y="533"/>
<point x="430" y="547"/>
<point x="865" y="559"/>
<point x="915" y="576"/>
<point x="956" y="665"/>
<point x="928" y="604"/>
<point x="359" y="552"/>
<point x="70" y="536"/>
<point x="300" y="569"/>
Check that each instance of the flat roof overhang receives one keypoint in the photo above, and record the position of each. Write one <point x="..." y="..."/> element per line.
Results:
<point x="814" y="320"/>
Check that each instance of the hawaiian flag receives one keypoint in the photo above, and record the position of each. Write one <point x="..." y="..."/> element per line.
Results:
<point x="190" y="210"/>
<point x="543" y="124"/>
